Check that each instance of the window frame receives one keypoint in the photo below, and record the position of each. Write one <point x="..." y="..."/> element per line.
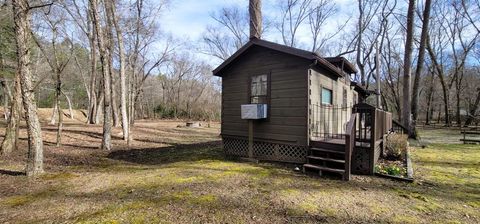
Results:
<point x="269" y="88"/>
<point x="321" y="96"/>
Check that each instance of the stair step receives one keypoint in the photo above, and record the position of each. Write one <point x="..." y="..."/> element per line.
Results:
<point x="323" y="168"/>
<point x="327" y="150"/>
<point x="326" y="159"/>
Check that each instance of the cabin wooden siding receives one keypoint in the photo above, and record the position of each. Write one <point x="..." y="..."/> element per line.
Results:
<point x="288" y="74"/>
<point x="320" y="78"/>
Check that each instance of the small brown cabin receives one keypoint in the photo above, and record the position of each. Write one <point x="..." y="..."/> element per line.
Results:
<point x="308" y="97"/>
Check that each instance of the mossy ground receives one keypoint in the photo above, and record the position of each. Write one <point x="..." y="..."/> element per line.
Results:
<point x="179" y="175"/>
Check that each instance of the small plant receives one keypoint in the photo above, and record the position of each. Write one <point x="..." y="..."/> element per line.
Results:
<point x="390" y="169"/>
<point x="396" y="146"/>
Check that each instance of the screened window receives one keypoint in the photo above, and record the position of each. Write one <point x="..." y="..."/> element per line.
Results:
<point x="327" y="96"/>
<point x="259" y="89"/>
<point x="344" y="102"/>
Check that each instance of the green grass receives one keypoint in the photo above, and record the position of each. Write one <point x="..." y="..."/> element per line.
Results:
<point x="195" y="184"/>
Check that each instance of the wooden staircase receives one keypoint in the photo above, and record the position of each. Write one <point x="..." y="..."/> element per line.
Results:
<point x="333" y="156"/>
<point x="326" y="159"/>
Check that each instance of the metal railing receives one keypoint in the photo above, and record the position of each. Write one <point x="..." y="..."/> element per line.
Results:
<point x="329" y="121"/>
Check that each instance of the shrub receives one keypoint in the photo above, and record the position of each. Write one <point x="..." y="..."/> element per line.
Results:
<point x="396" y="146"/>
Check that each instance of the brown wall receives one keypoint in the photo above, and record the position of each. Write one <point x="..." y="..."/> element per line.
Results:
<point x="287" y="122"/>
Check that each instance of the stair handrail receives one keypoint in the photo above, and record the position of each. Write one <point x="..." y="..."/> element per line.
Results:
<point x="397" y="125"/>
<point x="349" y="145"/>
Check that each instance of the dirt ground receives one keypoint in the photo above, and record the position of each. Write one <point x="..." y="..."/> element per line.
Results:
<point x="174" y="174"/>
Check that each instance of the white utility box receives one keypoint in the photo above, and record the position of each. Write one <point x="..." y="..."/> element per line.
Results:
<point x="254" y="111"/>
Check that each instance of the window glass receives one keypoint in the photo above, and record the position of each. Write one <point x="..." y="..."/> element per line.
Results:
<point x="344" y="103"/>
<point x="259" y="89"/>
<point x="326" y="96"/>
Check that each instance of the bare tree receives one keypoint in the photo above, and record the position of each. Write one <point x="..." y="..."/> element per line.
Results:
<point x="255" y="11"/>
<point x="21" y="12"/>
<point x="229" y="35"/>
<point x="317" y="18"/>
<point x="407" y="67"/>
<point x="420" y="61"/>
<point x="56" y="60"/>
<point x="81" y="15"/>
<point x="10" y="141"/>
<point x="102" y="47"/>
<point x="122" y="61"/>
<point x="294" y="13"/>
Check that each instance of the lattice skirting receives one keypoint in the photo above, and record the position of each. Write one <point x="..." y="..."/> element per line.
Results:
<point x="265" y="150"/>
<point x="361" y="161"/>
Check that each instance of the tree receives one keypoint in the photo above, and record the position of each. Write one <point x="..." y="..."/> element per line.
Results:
<point x="107" y="110"/>
<point x="57" y="60"/>
<point x="420" y="61"/>
<point x="21" y="12"/>
<point x="10" y="141"/>
<point x="317" y="18"/>
<point x="255" y="11"/>
<point x="122" y="60"/>
<point x="7" y="56"/>
<point x="81" y="14"/>
<point x="293" y="14"/>
<point x="228" y="35"/>
<point x="407" y="67"/>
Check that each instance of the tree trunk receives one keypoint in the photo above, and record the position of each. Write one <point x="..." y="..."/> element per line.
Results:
<point x="428" y="115"/>
<point x="421" y="60"/>
<point x="116" y="120"/>
<point x="92" y="118"/>
<point x="6" y="112"/>
<point x="11" y="133"/>
<point x="458" y="116"/>
<point x="123" y="85"/>
<point x="255" y="11"/>
<point x="53" y="118"/>
<point x="22" y="37"/>
<point x="446" y="100"/>
<point x="70" y="110"/>
<point x="359" y="43"/>
<point x="107" y="110"/>
<point x="58" y="91"/>
<point x="407" y="67"/>
<point x="99" y="111"/>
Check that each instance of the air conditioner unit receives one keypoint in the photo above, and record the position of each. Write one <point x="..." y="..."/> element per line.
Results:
<point x="254" y="111"/>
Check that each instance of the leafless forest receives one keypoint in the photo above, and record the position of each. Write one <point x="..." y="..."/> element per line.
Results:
<point x="112" y="60"/>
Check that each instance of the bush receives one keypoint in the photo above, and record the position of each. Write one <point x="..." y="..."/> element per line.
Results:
<point x="396" y="146"/>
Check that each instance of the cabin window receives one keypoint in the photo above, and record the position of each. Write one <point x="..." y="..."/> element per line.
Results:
<point x="259" y="89"/>
<point x="327" y="96"/>
<point x="344" y="102"/>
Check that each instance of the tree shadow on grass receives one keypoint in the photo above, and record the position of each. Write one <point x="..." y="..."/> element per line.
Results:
<point x="86" y="133"/>
<point x="170" y="154"/>
<point x="12" y="173"/>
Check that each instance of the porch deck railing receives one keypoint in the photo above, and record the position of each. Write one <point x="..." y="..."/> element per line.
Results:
<point x="329" y="121"/>
<point x="349" y="146"/>
<point x="372" y="123"/>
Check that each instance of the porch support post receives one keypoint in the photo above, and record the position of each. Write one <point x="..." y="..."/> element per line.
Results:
<point x="250" y="139"/>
